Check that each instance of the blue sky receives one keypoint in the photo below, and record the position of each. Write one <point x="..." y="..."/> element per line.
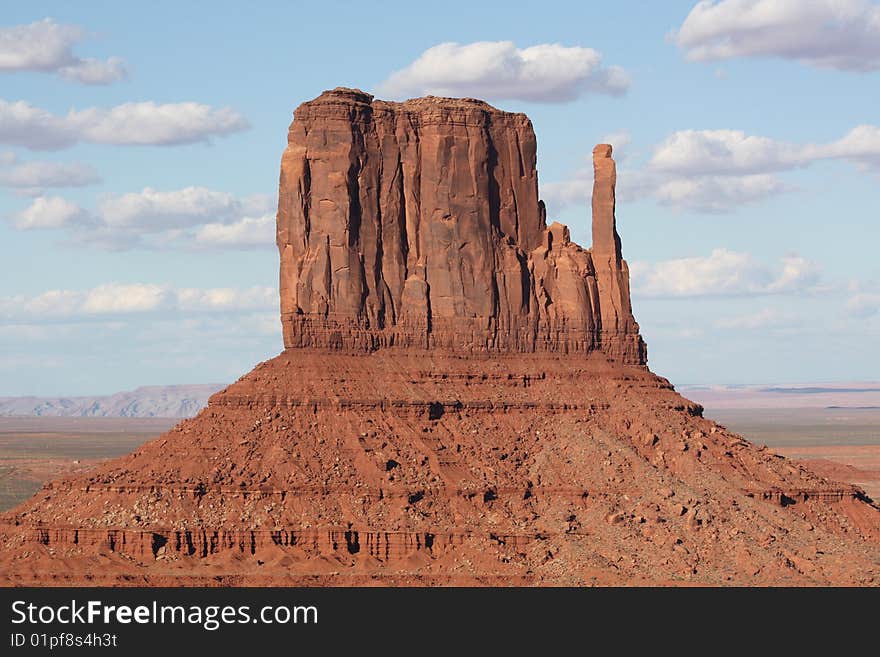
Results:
<point x="140" y="144"/>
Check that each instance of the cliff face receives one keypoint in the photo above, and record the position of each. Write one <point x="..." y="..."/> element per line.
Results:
<point x="418" y="224"/>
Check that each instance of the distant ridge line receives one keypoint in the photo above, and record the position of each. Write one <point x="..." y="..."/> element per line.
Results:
<point x="144" y="402"/>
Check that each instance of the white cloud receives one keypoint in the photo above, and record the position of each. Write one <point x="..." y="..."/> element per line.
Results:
<point x="54" y="303"/>
<point x="253" y="298"/>
<point x="153" y="123"/>
<point x="719" y="170"/>
<point x="37" y="175"/>
<point x="716" y="193"/>
<point x="27" y="333"/>
<point x="129" y="298"/>
<point x="797" y="274"/>
<point x="863" y="304"/>
<point x="860" y="145"/>
<point x="550" y="73"/>
<point x="214" y="329"/>
<point x="262" y="324"/>
<point x="761" y="319"/>
<point x="144" y="123"/>
<point x="152" y="210"/>
<point x="839" y="34"/>
<point x="113" y="298"/>
<point x="55" y="332"/>
<point x="702" y="152"/>
<point x="46" y="46"/>
<point x="723" y="273"/>
<point x="107" y="299"/>
<point x="22" y="124"/>
<point x="49" y="212"/>
<point x="705" y="152"/>
<point x="95" y="71"/>
<point x="192" y="217"/>
<point x="185" y="218"/>
<point x="247" y="232"/>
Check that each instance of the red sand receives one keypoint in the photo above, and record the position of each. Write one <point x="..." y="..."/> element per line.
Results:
<point x="859" y="465"/>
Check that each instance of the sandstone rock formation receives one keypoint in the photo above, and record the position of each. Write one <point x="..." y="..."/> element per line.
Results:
<point x="418" y="224"/>
<point x="463" y="398"/>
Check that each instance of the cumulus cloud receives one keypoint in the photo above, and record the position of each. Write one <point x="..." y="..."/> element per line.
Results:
<point x="96" y="71"/>
<point x="247" y="232"/>
<point x="838" y="34"/>
<point x="193" y="217"/>
<point x="705" y="152"/>
<point x="47" y="47"/>
<point x="863" y="304"/>
<point x="133" y="298"/>
<point x="720" y="170"/>
<point x="188" y="218"/>
<point x="49" y="212"/>
<point x="546" y="73"/>
<point x="715" y="194"/>
<point x="143" y="123"/>
<point x="115" y="299"/>
<point x="798" y="274"/>
<point x="39" y="175"/>
<point x="154" y="210"/>
<point x="723" y="273"/>
<point x="860" y="145"/>
<point x="54" y="303"/>
<point x="761" y="319"/>
<point x="227" y="298"/>
<point x="702" y="152"/>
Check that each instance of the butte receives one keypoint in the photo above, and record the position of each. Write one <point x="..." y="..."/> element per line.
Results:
<point x="463" y="398"/>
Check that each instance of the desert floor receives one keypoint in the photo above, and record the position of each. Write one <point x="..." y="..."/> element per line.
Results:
<point x="837" y="443"/>
<point x="34" y="450"/>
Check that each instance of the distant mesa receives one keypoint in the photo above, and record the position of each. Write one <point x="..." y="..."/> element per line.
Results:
<point x="463" y="398"/>
<point x="144" y="402"/>
<point x="843" y="395"/>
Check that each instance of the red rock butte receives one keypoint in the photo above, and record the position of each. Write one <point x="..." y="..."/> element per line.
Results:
<point x="463" y="398"/>
<point x="418" y="225"/>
